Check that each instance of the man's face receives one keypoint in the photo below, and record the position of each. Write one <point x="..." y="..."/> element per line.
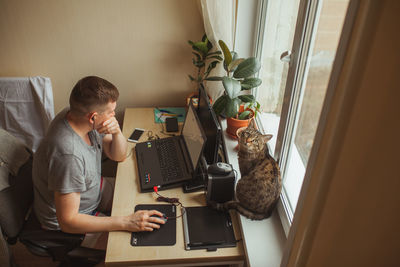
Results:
<point x="108" y="113"/>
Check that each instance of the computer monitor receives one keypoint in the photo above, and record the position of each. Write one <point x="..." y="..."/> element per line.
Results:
<point x="211" y="127"/>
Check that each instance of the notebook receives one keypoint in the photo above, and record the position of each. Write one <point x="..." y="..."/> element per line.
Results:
<point x="165" y="235"/>
<point x="206" y="228"/>
<point x="168" y="162"/>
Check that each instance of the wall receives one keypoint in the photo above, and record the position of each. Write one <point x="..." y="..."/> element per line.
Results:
<point x="139" y="45"/>
<point x="349" y="210"/>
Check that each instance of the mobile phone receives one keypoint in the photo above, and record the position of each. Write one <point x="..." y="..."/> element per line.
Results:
<point x="137" y="133"/>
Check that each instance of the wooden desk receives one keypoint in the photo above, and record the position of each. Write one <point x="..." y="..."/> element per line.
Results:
<point x="127" y="195"/>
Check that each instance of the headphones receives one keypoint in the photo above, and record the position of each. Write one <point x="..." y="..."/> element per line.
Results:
<point x="93" y="117"/>
<point x="93" y="120"/>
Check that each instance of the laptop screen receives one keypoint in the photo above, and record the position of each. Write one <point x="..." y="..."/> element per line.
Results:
<point x="211" y="127"/>
<point x="192" y="134"/>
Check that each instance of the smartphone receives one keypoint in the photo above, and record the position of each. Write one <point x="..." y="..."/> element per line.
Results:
<point x="137" y="133"/>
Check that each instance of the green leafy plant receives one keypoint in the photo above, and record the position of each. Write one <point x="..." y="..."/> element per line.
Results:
<point x="239" y="77"/>
<point x="202" y="55"/>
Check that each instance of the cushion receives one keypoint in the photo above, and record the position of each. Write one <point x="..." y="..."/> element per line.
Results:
<point x="16" y="200"/>
<point x="13" y="154"/>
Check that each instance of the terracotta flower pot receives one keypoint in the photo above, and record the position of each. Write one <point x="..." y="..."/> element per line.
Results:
<point x="234" y="124"/>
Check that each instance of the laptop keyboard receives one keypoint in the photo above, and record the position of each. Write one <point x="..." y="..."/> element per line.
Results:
<point x="169" y="163"/>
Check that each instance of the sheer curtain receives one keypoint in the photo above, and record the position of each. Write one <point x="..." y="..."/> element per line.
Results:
<point x="219" y="18"/>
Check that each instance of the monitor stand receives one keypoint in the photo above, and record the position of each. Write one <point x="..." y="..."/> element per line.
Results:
<point x="199" y="180"/>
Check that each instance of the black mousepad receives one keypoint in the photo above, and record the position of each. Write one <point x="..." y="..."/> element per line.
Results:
<point x="165" y="235"/>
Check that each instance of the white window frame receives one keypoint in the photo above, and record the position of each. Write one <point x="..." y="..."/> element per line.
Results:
<point x="255" y="12"/>
<point x="303" y="40"/>
<point x="253" y="47"/>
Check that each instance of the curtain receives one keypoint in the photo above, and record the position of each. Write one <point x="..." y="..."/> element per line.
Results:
<point x="219" y="24"/>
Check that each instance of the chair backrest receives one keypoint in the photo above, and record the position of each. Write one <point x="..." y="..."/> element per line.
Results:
<point x="26" y="108"/>
<point x="15" y="202"/>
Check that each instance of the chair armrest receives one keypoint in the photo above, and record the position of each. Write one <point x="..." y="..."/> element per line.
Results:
<point x="34" y="234"/>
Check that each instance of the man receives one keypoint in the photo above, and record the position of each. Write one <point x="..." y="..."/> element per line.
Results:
<point x="68" y="188"/>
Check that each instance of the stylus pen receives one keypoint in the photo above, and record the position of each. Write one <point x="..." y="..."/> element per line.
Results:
<point x="198" y="244"/>
<point x="171" y="115"/>
<point x="164" y="110"/>
<point x="167" y="112"/>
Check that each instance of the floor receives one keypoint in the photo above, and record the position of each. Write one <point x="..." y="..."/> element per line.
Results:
<point x="24" y="258"/>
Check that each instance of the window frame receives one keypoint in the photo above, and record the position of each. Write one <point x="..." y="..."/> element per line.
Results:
<point x="307" y="13"/>
<point x="303" y="40"/>
<point x="278" y="245"/>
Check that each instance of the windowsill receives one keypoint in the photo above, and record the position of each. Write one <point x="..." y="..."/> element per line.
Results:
<point x="295" y="169"/>
<point x="263" y="240"/>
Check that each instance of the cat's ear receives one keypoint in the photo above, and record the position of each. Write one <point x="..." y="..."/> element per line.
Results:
<point x="267" y="137"/>
<point x="252" y="124"/>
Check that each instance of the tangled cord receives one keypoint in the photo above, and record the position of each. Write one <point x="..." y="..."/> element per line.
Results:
<point x="172" y="200"/>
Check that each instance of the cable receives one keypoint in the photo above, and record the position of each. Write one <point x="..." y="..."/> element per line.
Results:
<point x="151" y="136"/>
<point x="173" y="201"/>
<point x="130" y="153"/>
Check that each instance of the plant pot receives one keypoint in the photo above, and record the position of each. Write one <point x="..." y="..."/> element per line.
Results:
<point x="234" y="124"/>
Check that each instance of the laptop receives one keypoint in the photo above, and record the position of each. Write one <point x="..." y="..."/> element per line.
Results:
<point x="168" y="162"/>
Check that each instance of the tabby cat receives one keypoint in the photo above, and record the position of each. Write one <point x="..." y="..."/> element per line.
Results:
<point x="259" y="188"/>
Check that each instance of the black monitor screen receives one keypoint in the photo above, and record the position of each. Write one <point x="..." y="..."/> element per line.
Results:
<point x="193" y="136"/>
<point x="211" y="127"/>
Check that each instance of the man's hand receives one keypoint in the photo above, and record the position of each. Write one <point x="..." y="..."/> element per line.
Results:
<point x="110" y="126"/>
<point x="71" y="221"/>
<point x="114" y="143"/>
<point x="141" y="221"/>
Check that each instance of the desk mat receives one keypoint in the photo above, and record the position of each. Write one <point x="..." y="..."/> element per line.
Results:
<point x="165" y="236"/>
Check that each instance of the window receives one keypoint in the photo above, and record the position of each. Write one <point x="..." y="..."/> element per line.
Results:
<point x="297" y="45"/>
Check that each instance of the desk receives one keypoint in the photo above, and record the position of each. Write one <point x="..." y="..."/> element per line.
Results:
<point x="127" y="195"/>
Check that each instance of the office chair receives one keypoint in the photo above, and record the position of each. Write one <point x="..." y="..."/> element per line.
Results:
<point x="25" y="112"/>
<point x="15" y="205"/>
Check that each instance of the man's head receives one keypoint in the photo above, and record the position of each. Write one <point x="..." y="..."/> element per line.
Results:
<point x="91" y="95"/>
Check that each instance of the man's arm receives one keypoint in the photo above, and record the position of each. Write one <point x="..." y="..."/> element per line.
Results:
<point x="71" y="221"/>
<point x="114" y="143"/>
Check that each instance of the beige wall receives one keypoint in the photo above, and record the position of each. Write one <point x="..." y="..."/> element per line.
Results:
<point x="139" y="45"/>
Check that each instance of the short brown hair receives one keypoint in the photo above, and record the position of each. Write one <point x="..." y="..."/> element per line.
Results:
<point x="90" y="93"/>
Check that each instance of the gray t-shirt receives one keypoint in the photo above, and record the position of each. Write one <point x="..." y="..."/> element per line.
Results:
<point x="65" y="163"/>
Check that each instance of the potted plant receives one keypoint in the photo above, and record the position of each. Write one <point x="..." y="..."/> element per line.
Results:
<point x="239" y="108"/>
<point x="205" y="61"/>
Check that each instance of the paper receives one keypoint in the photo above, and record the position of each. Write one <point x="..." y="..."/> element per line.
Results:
<point x="160" y="114"/>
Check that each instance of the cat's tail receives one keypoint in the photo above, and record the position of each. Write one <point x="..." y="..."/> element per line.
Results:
<point x="251" y="214"/>
<point x="226" y="206"/>
<point x="235" y="205"/>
